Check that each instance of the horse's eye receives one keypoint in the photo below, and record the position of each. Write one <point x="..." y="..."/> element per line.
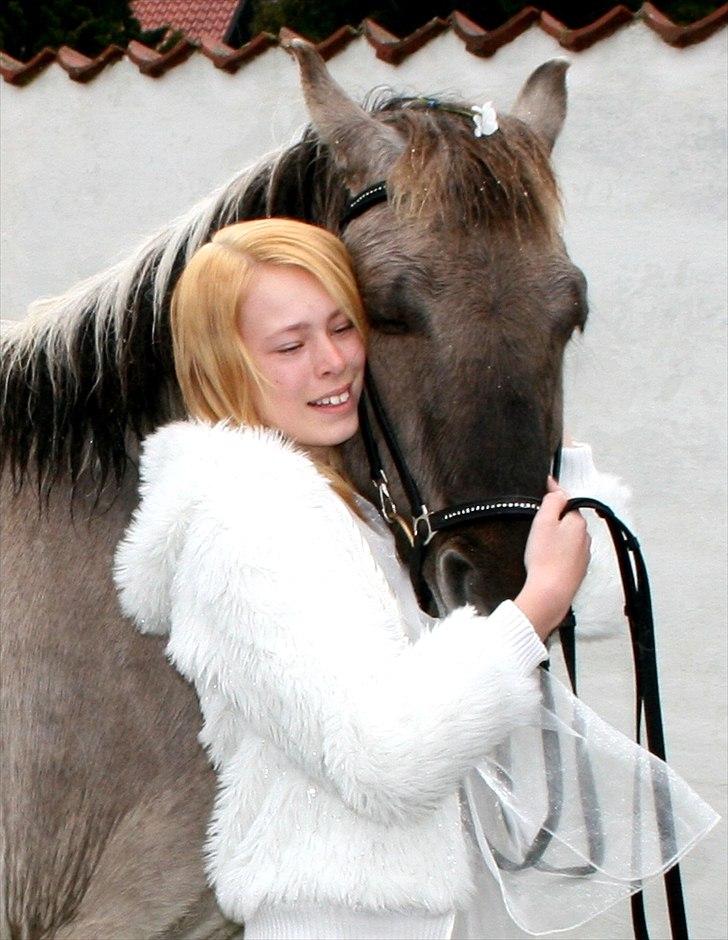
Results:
<point x="393" y="326"/>
<point x="397" y="310"/>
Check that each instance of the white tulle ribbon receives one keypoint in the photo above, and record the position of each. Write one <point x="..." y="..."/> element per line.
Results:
<point x="571" y="817"/>
<point x="591" y="814"/>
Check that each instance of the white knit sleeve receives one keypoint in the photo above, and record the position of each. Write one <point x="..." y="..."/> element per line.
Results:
<point x="599" y="602"/>
<point x="298" y="631"/>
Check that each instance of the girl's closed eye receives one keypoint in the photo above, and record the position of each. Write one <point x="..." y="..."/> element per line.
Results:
<point x="291" y="348"/>
<point x="344" y="327"/>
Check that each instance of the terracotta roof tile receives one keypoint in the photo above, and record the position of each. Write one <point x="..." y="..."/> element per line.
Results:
<point x="577" y="39"/>
<point x="192" y="17"/>
<point x="83" y="69"/>
<point x="682" y="36"/>
<point x="231" y="59"/>
<point x="20" y="73"/>
<point x="392" y="49"/>
<point x="485" y="42"/>
<point x="329" y="46"/>
<point x="151" y="62"/>
<point x="388" y="47"/>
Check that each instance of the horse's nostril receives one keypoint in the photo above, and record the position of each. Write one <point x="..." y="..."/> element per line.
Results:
<point x="455" y="578"/>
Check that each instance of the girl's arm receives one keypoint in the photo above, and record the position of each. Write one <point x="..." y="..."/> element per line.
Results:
<point x="275" y="600"/>
<point x="300" y="633"/>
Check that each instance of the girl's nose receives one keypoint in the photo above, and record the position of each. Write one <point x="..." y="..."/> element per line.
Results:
<point x="330" y="359"/>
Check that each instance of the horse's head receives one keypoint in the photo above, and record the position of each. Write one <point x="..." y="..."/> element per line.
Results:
<point x="472" y="299"/>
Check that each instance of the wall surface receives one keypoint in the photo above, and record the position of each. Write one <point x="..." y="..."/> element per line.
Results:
<point x="88" y="170"/>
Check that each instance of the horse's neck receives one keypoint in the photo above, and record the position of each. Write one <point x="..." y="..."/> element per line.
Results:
<point x="99" y="733"/>
<point x="66" y="516"/>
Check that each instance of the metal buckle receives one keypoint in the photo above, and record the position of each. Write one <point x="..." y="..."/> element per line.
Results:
<point x="386" y="504"/>
<point x="424" y="516"/>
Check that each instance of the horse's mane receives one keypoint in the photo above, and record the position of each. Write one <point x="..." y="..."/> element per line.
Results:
<point x="91" y="370"/>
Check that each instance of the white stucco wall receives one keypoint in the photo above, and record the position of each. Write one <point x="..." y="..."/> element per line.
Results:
<point x="87" y="170"/>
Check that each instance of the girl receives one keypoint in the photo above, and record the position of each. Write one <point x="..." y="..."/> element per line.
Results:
<point x="340" y="729"/>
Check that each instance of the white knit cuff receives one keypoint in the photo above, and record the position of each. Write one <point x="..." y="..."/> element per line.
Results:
<point x="518" y="633"/>
<point x="577" y="467"/>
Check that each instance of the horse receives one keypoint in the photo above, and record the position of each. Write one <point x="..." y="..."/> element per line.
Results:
<point x="472" y="299"/>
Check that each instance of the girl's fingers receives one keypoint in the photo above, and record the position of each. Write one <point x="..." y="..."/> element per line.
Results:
<point x="555" y="489"/>
<point x="554" y="502"/>
<point x="551" y="485"/>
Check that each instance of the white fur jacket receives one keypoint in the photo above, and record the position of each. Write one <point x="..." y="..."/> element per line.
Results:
<point x="338" y="741"/>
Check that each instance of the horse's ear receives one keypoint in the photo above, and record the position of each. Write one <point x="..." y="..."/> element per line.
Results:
<point x="541" y="102"/>
<point x="362" y="146"/>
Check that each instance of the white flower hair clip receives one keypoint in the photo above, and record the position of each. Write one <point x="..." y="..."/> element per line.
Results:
<point x="485" y="119"/>
<point x="484" y="116"/>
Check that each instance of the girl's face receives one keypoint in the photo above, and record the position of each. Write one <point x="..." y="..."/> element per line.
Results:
<point x="308" y="352"/>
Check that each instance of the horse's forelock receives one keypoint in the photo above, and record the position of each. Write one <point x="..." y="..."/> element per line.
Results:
<point x="445" y="174"/>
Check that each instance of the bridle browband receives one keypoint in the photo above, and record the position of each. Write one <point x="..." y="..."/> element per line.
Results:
<point x="424" y="525"/>
<point x="364" y="200"/>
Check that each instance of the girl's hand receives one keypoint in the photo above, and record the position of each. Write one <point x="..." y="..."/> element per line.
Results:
<point x="556" y="559"/>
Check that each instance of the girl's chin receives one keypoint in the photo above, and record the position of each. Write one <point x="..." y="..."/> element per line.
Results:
<point x="330" y="436"/>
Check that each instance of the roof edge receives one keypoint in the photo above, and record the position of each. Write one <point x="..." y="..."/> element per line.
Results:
<point x="682" y="36"/>
<point x="388" y="47"/>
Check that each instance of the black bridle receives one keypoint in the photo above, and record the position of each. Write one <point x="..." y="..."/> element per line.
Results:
<point x="423" y="526"/>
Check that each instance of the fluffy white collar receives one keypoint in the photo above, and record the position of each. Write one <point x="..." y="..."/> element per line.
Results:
<point x="187" y="462"/>
<point x="183" y="465"/>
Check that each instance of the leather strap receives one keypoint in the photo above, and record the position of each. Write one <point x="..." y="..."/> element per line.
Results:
<point x="638" y="609"/>
<point x="357" y="205"/>
<point x="410" y="487"/>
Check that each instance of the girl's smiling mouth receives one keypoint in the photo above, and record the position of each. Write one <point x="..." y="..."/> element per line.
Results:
<point x="334" y="400"/>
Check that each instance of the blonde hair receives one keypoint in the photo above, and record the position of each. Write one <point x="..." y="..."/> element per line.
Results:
<point x="213" y="367"/>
